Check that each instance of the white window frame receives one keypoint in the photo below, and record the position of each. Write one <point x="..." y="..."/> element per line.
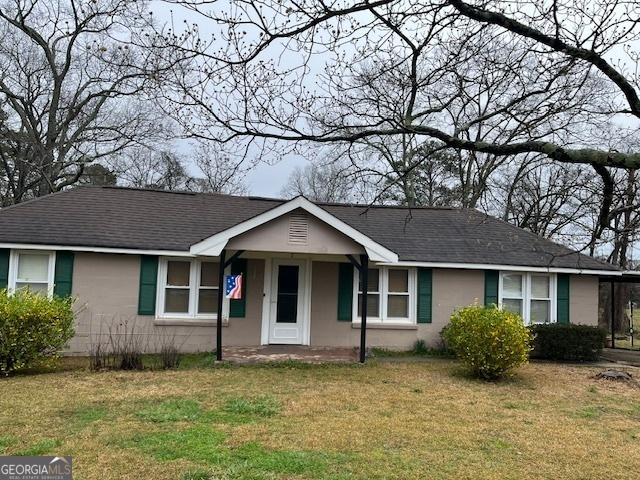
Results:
<point x="383" y="292"/>
<point x="526" y="293"/>
<point x="14" y="258"/>
<point x="194" y="290"/>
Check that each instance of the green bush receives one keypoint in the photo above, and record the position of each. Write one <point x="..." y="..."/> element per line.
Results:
<point x="420" y="347"/>
<point x="490" y="342"/>
<point x="33" y="328"/>
<point x="567" y="342"/>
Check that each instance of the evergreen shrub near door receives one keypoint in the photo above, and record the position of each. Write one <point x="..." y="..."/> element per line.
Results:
<point x="489" y="341"/>
<point x="33" y="328"/>
<point x="568" y="342"/>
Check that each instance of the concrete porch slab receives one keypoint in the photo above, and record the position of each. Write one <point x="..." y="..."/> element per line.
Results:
<point x="279" y="353"/>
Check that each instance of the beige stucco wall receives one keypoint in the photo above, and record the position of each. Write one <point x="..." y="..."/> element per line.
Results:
<point x="583" y="299"/>
<point x="106" y="288"/>
<point x="274" y="237"/>
<point x="451" y="289"/>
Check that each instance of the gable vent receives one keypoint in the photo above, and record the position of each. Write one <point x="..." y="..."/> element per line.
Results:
<point x="298" y="229"/>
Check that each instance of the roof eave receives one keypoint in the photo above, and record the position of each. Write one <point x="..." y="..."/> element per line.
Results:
<point x="514" y="268"/>
<point x="214" y="245"/>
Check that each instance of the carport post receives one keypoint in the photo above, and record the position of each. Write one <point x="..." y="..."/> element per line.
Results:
<point x="364" y="270"/>
<point x="613" y="314"/>
<point x="221" y="288"/>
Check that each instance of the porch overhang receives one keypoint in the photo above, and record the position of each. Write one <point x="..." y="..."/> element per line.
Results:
<point x="215" y="244"/>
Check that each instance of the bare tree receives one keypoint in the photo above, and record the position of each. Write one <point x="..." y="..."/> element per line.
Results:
<point x="422" y="175"/>
<point x="220" y="171"/>
<point x="329" y="182"/>
<point x="72" y="89"/>
<point x="142" y="167"/>
<point x="559" y="54"/>
<point x="620" y="237"/>
<point x="551" y="200"/>
<point x="98" y="174"/>
<point x="203" y="170"/>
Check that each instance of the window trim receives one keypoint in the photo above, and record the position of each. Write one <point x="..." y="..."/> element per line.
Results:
<point x="383" y="292"/>
<point x="526" y="293"/>
<point x="14" y="258"/>
<point x="194" y="291"/>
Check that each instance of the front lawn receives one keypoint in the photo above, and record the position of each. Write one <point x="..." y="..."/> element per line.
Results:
<point x="383" y="420"/>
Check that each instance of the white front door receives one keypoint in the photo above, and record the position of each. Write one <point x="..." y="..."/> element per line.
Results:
<point x="288" y="315"/>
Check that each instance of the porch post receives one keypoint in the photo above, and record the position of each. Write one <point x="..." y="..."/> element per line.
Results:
<point x="221" y="288"/>
<point x="364" y="264"/>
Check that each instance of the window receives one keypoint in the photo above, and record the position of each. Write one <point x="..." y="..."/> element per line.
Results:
<point x="390" y="295"/>
<point x="531" y="295"/>
<point x="513" y="292"/>
<point x="32" y="270"/>
<point x="398" y="294"/>
<point x="188" y="289"/>
<point x="373" y="294"/>
<point x="208" y="288"/>
<point x="540" y="301"/>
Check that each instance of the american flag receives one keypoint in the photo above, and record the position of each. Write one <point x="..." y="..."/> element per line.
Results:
<point x="233" y="286"/>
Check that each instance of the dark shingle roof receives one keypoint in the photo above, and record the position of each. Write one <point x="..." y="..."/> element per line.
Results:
<point x="155" y="220"/>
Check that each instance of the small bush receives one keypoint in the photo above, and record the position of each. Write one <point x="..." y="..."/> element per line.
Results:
<point x="490" y="342"/>
<point x="420" y="347"/>
<point x="567" y="342"/>
<point x="127" y="344"/>
<point x="120" y="348"/>
<point x="169" y="353"/>
<point x="170" y="357"/>
<point x="99" y="358"/>
<point x="33" y="328"/>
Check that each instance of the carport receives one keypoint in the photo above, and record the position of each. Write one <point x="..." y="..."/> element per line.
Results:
<point x="616" y="313"/>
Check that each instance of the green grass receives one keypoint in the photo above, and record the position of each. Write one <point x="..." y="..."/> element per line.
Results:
<point x="198" y="474"/>
<point x="85" y="415"/>
<point x="417" y="351"/>
<point x="203" y="444"/>
<point x="5" y="442"/>
<point x="384" y="420"/>
<point x="263" y="406"/>
<point x="40" y="447"/>
<point x="173" y="410"/>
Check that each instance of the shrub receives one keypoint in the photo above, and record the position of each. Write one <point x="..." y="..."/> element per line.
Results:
<point x="33" y="328"/>
<point x="567" y="342"/>
<point x="120" y="348"/>
<point x="169" y="353"/>
<point x="420" y="347"/>
<point x="170" y="356"/>
<point x="490" y="342"/>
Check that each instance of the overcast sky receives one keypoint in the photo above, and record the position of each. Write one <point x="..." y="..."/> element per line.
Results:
<point x="268" y="180"/>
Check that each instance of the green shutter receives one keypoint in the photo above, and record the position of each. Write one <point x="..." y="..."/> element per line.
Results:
<point x="563" y="298"/>
<point x="491" y="287"/>
<point x="238" y="308"/>
<point x="63" y="275"/>
<point x="4" y="268"/>
<point x="345" y="292"/>
<point x="425" y="288"/>
<point x="148" y="285"/>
